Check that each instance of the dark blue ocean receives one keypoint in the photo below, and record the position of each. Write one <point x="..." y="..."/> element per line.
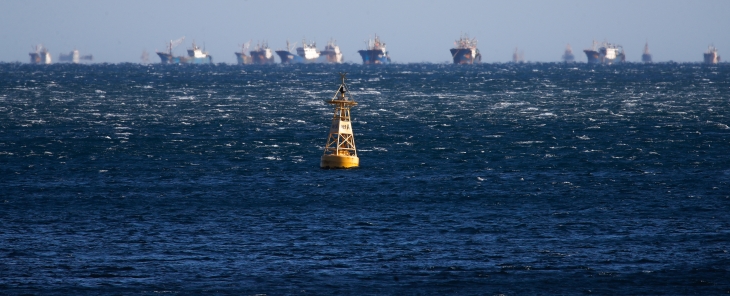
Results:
<point x="514" y="179"/>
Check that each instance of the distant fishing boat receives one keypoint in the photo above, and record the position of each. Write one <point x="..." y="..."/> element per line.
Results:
<point x="374" y="52"/>
<point x="607" y="53"/>
<point x="646" y="56"/>
<point x="167" y="57"/>
<point x="242" y="57"/>
<point x="465" y="51"/>
<point x="518" y="56"/>
<point x="568" y="56"/>
<point x="262" y="54"/>
<point x="711" y="56"/>
<point x="74" y="57"/>
<point x="198" y="56"/>
<point x="332" y="53"/>
<point x="307" y="53"/>
<point x="40" y="55"/>
<point x="195" y="54"/>
<point x="145" y="57"/>
<point x="287" y="56"/>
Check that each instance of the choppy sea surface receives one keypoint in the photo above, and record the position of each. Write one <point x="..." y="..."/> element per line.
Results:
<point x="514" y="179"/>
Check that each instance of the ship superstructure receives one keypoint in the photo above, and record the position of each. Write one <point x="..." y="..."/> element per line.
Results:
<point x="374" y="52"/>
<point x="198" y="56"/>
<point x="40" y="55"/>
<point x="568" y="56"/>
<point x="242" y="57"/>
<point x="262" y="54"/>
<point x="74" y="57"/>
<point x="332" y="53"/>
<point x="465" y="51"/>
<point x="646" y="56"/>
<point x="711" y="56"/>
<point x="607" y="53"/>
<point x="308" y="52"/>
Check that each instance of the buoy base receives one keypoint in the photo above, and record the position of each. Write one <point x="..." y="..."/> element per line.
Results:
<point x="339" y="162"/>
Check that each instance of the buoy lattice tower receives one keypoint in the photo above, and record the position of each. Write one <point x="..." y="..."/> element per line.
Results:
<point x="340" y="151"/>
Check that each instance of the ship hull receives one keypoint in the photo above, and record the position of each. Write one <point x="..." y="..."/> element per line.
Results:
<point x="286" y="57"/>
<point x="332" y="56"/>
<point x="260" y="58"/>
<point x="646" y="58"/>
<point x="36" y="58"/>
<point x="72" y="57"/>
<point x="42" y="58"/>
<point x="595" y="57"/>
<point x="166" y="58"/>
<point x="290" y="58"/>
<point x="466" y="56"/>
<point x="205" y="60"/>
<point x="374" y="57"/>
<point x="568" y="57"/>
<point x="243" y="59"/>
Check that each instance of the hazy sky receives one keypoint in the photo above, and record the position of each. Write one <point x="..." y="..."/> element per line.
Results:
<point x="414" y="31"/>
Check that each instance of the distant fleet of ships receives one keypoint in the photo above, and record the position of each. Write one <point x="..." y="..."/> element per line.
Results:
<point x="40" y="55"/>
<point x="465" y="51"/>
<point x="374" y="53"/>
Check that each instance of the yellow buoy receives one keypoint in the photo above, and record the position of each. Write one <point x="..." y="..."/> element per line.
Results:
<point x="340" y="152"/>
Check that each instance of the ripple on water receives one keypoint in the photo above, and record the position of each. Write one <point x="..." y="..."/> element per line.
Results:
<point x="483" y="179"/>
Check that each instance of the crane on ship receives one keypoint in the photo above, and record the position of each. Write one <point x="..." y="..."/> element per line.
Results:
<point x="174" y="43"/>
